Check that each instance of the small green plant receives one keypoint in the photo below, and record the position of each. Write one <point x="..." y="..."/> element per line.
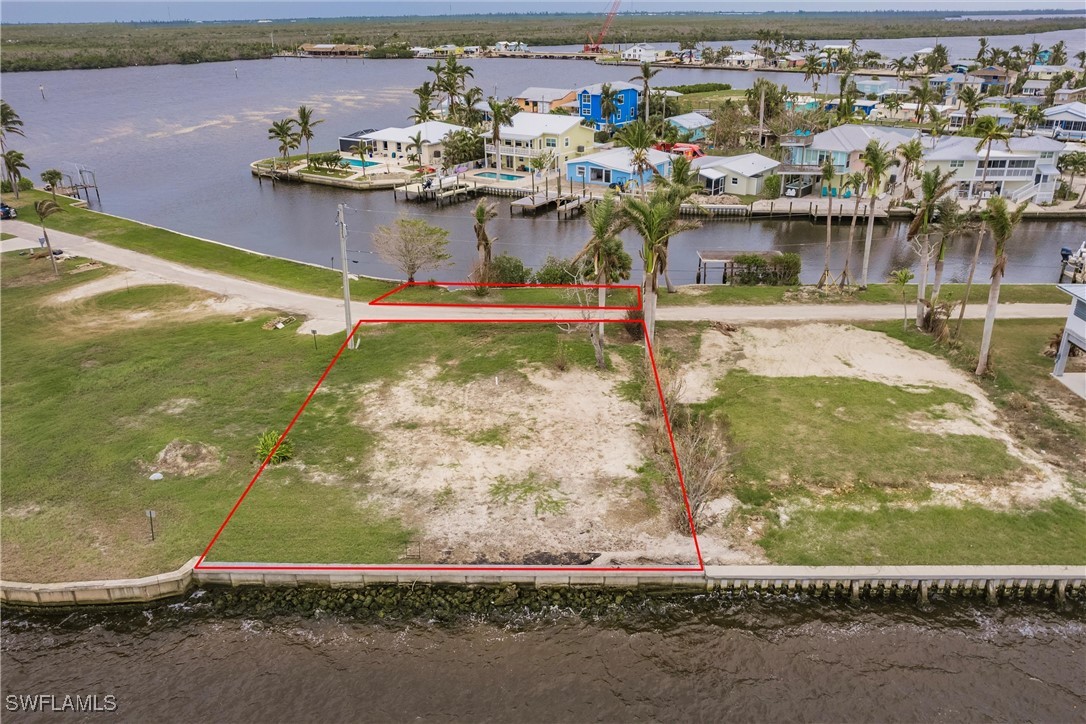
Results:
<point x="508" y="269"/>
<point x="497" y="435"/>
<point x="561" y="356"/>
<point x="634" y="324"/>
<point x="544" y="494"/>
<point x="444" y="496"/>
<point x="266" y="444"/>
<point x="900" y="278"/>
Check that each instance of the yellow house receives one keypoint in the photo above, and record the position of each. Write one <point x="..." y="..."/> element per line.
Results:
<point x="532" y="134"/>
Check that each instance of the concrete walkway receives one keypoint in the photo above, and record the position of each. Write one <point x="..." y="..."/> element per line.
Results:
<point x="325" y="314"/>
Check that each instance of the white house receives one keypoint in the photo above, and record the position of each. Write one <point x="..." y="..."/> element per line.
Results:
<point x="530" y="134"/>
<point x="744" y="60"/>
<point x="421" y="52"/>
<point x="1068" y="95"/>
<point x="1074" y="333"/>
<point x="1066" y="121"/>
<point x="503" y="46"/>
<point x="1022" y="169"/>
<point x="1003" y="116"/>
<point x="738" y="175"/>
<point x="642" y="53"/>
<point x="399" y="143"/>
<point x="1048" y="72"/>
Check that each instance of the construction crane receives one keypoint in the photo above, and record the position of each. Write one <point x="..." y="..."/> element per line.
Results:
<point x="594" y="45"/>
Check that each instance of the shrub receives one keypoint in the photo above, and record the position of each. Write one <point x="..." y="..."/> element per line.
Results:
<point x="697" y="87"/>
<point x="558" y="271"/>
<point x="772" y="187"/>
<point x="633" y="325"/>
<point x="752" y="269"/>
<point x="508" y="269"/>
<point x="601" y="137"/>
<point x="25" y="184"/>
<point x="266" y="443"/>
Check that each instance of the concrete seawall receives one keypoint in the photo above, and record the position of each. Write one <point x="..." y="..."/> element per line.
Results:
<point x="993" y="583"/>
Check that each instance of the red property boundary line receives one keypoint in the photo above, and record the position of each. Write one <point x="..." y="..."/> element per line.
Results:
<point x="380" y="301"/>
<point x="700" y="567"/>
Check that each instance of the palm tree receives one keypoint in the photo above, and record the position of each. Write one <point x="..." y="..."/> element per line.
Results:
<point x="305" y="124"/>
<point x="1080" y="56"/>
<point x="970" y="100"/>
<point x="1059" y="54"/>
<point x="288" y="139"/>
<point x="501" y="114"/>
<point x="982" y="52"/>
<point x="1073" y="163"/>
<point x="604" y="258"/>
<point x="952" y="223"/>
<point x="10" y="123"/>
<point x="893" y="103"/>
<point x="423" y="112"/>
<point x="639" y="139"/>
<point x="647" y="73"/>
<point x="900" y="278"/>
<point x="484" y="212"/>
<point x="988" y="131"/>
<point x="877" y="162"/>
<point x="1034" y="51"/>
<point x="51" y="177"/>
<point x="939" y="123"/>
<point x="911" y="153"/>
<point x="934" y="185"/>
<point x="901" y="67"/>
<point x="45" y="209"/>
<point x="414" y="148"/>
<point x="855" y="183"/>
<point x="828" y="172"/>
<point x="14" y="163"/>
<point x="608" y="105"/>
<point x="924" y="95"/>
<point x="359" y="149"/>
<point x="812" y="70"/>
<point x="1001" y="222"/>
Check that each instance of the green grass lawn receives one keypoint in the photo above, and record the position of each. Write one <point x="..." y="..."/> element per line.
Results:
<point x="874" y="294"/>
<point x="512" y="295"/>
<point x="4" y="236"/>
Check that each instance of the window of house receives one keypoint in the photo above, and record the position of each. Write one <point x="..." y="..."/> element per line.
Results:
<point x="621" y="100"/>
<point x="580" y="171"/>
<point x="552" y="143"/>
<point x="735" y="180"/>
<point x="437" y="154"/>
<point x="1048" y="154"/>
<point x="957" y="164"/>
<point x="566" y="142"/>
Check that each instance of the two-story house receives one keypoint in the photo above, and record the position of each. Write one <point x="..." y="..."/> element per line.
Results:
<point x="1020" y="169"/>
<point x="1067" y="121"/>
<point x="947" y="86"/>
<point x="542" y="100"/>
<point x="992" y="79"/>
<point x="642" y="53"/>
<point x="532" y="134"/>
<point x="587" y="102"/>
<point x="805" y="152"/>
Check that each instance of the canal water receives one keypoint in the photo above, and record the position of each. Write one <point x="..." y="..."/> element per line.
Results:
<point x="769" y="659"/>
<point x="171" y="146"/>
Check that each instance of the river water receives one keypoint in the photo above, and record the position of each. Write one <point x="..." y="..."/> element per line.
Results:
<point x="171" y="146"/>
<point x="728" y="659"/>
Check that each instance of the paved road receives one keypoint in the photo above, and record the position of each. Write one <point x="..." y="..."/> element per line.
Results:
<point x="326" y="315"/>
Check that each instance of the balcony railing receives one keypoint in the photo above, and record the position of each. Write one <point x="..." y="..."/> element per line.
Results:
<point x="797" y="139"/>
<point x="995" y="174"/>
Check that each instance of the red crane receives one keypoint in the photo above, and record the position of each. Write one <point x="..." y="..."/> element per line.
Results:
<point x="594" y="44"/>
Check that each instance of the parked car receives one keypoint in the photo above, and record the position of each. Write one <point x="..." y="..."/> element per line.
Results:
<point x="6" y="212"/>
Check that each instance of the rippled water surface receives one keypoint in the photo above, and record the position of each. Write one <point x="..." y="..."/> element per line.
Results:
<point x="731" y="660"/>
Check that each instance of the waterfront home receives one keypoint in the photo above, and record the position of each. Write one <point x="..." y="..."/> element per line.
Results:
<point x="1067" y="95"/>
<point x="859" y="107"/>
<point x="802" y="104"/>
<point x="333" y="50"/>
<point x="1041" y="71"/>
<point x="992" y="79"/>
<point x="1022" y="169"/>
<point x="805" y="151"/>
<point x="791" y="60"/>
<point x="743" y="60"/>
<point x="1067" y="121"/>
<point x="421" y="52"/>
<point x="399" y="143"/>
<point x="346" y="143"/>
<point x="1003" y="116"/>
<point x="742" y="175"/>
<point x="642" y="53"/>
<point x="616" y="166"/>
<point x="1035" y="87"/>
<point x="448" y="49"/>
<point x="531" y="134"/>
<point x="586" y="102"/>
<point x="873" y="87"/>
<point x="516" y="46"/>
<point x="542" y="100"/>
<point x="472" y="50"/>
<point x="1074" y="333"/>
<point x="692" y="124"/>
<point x="947" y="85"/>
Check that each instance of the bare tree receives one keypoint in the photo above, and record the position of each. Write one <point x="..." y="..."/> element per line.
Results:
<point x="412" y="245"/>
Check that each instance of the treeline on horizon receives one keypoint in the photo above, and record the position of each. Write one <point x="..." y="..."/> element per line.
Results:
<point x="106" y="45"/>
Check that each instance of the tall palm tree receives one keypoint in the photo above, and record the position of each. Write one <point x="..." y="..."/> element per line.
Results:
<point x="982" y="51"/>
<point x="938" y="124"/>
<point x="828" y="172"/>
<point x="14" y="163"/>
<point x="969" y="98"/>
<point x="608" y="105"/>
<point x="639" y="139"/>
<point x="988" y="131"/>
<point x="10" y="124"/>
<point x="359" y="149"/>
<point x="51" y="177"/>
<point x="1000" y="221"/>
<point x="953" y="222"/>
<point x="678" y="188"/>
<point x="1034" y="51"/>
<point x="934" y="185"/>
<point x="647" y="73"/>
<point x="877" y="162"/>
<point x="812" y="70"/>
<point x="45" y="209"/>
<point x="283" y="133"/>
<point x="501" y="114"/>
<point x="854" y="182"/>
<point x="423" y="112"/>
<point x="1059" y="54"/>
<point x="923" y="95"/>
<point x="604" y="258"/>
<point x="901" y="67"/>
<point x="1080" y="56"/>
<point x="305" y="125"/>
<point x="911" y="153"/>
<point x="484" y="212"/>
<point x="414" y="148"/>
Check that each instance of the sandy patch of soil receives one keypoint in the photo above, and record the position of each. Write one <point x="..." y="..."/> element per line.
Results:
<point x="564" y="445"/>
<point x="175" y="406"/>
<point x="111" y="283"/>
<point x="22" y="512"/>
<point x="186" y="459"/>
<point x="835" y="350"/>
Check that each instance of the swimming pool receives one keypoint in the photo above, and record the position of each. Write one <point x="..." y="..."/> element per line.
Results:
<point x="357" y="163"/>
<point x="502" y="176"/>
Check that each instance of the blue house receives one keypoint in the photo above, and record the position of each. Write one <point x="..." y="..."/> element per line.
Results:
<point x="626" y="104"/>
<point x="692" y="124"/>
<point x="616" y="167"/>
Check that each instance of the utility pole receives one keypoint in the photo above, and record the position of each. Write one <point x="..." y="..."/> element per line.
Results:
<point x="761" y="117"/>
<point x="346" y="279"/>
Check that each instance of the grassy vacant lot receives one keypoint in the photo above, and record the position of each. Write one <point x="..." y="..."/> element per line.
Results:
<point x="512" y="295"/>
<point x="874" y="294"/>
<point x="95" y="390"/>
<point x="52" y="47"/>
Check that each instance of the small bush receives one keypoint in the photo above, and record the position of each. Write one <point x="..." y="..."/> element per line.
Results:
<point x="753" y="269"/>
<point x="633" y="325"/>
<point x="698" y="87"/>
<point x="508" y="269"/>
<point x="266" y="443"/>
<point x="772" y="187"/>
<point x="558" y="271"/>
<point x="25" y="184"/>
<point x="601" y="137"/>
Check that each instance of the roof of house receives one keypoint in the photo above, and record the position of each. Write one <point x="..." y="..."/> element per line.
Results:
<point x="991" y="71"/>
<point x="526" y="125"/>
<point x="691" y="120"/>
<point x="851" y="137"/>
<point x="1035" y="83"/>
<point x="1078" y="291"/>
<point x="747" y="164"/>
<point x="616" y="85"/>
<point x="432" y="132"/>
<point x="546" y="95"/>
<point x="1042" y="68"/>
<point x="964" y="148"/>
<point x="1074" y="110"/>
<point x="620" y="159"/>
<point x="745" y="56"/>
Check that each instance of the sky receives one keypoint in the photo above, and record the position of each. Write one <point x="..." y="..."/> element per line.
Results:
<point x="84" y="11"/>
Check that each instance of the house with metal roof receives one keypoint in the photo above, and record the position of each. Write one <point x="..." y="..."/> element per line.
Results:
<point x="398" y="143"/>
<point x="1004" y="117"/>
<point x="742" y="175"/>
<point x="744" y="60"/>
<point x="1074" y="333"/>
<point x="805" y="151"/>
<point x="587" y="103"/>
<point x="1020" y="169"/>
<point x="1066" y="122"/>
<point x="531" y="134"/>
<point x="537" y="99"/>
<point x="642" y="53"/>
<point x="692" y="124"/>
<point x="616" y="167"/>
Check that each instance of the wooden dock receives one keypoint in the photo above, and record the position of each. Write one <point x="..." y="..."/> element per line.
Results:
<point x="541" y="200"/>
<point x="448" y="190"/>
<point x="574" y="205"/>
